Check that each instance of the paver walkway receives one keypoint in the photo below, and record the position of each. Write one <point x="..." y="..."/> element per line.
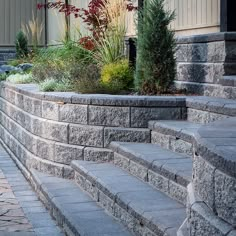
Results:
<point x="21" y="213"/>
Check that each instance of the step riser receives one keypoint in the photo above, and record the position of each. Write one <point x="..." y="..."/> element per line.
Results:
<point x="203" y="117"/>
<point x="201" y="220"/>
<point x="156" y="180"/>
<point x="113" y="205"/>
<point x="172" y="143"/>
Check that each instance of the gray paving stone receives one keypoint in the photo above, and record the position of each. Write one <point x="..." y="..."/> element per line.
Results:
<point x="152" y="157"/>
<point x="116" y="188"/>
<point x="180" y="129"/>
<point x="52" y="231"/>
<point x="77" y="211"/>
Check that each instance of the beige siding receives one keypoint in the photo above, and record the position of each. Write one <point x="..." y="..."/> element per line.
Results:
<point x="195" y="16"/>
<point x="192" y="17"/>
<point x="14" y="13"/>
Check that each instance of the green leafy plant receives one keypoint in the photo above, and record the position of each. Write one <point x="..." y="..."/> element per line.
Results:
<point x="117" y="76"/>
<point x="110" y="47"/>
<point x="60" y="62"/>
<point x="21" y="43"/>
<point x="20" y="78"/>
<point x="156" y="45"/>
<point x="48" y="85"/>
<point x="3" y="76"/>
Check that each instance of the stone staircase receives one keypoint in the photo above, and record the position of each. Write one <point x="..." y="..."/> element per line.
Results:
<point x="145" y="188"/>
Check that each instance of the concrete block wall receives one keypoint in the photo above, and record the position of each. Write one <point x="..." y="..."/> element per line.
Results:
<point x="211" y="195"/>
<point x="48" y="131"/>
<point x="203" y="60"/>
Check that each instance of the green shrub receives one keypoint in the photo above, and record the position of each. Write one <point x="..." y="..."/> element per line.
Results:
<point x="3" y="76"/>
<point x="48" y="85"/>
<point x="20" y="78"/>
<point x="59" y="62"/>
<point x="21" y="43"/>
<point x="156" y="45"/>
<point x="88" y="79"/>
<point x="117" y="76"/>
<point x="53" y="85"/>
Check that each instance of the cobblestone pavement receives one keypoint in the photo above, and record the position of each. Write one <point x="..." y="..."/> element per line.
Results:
<point x="21" y="213"/>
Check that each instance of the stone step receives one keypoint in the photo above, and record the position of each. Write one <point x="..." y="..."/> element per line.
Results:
<point x="206" y="89"/>
<point x="177" y="136"/>
<point x="202" y="220"/>
<point x="165" y="170"/>
<point x="183" y="230"/>
<point x="143" y="209"/>
<point x="228" y="81"/>
<point x="73" y="209"/>
<point x="202" y="109"/>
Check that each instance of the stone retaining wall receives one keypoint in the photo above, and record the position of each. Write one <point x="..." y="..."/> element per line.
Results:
<point x="214" y="174"/>
<point x="49" y="130"/>
<point x="203" y="60"/>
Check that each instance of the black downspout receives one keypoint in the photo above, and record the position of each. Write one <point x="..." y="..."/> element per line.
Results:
<point x="46" y="25"/>
<point x="227" y="15"/>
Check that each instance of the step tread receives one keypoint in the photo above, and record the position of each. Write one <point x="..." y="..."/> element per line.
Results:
<point x="212" y="104"/>
<point x="229" y="80"/>
<point x="142" y="201"/>
<point x="172" y="165"/>
<point x="83" y="213"/>
<point x="181" y="129"/>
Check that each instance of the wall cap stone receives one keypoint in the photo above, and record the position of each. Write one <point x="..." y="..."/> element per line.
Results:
<point x="97" y="99"/>
<point x="215" y="142"/>
<point x="204" y="38"/>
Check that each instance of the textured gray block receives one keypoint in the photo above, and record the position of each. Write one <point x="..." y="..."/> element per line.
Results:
<point x="45" y="149"/>
<point x="203" y="180"/>
<point x="86" y="135"/>
<point x="109" y="116"/>
<point x="126" y="135"/>
<point x="55" y="131"/>
<point x="33" y="106"/>
<point x="98" y="154"/>
<point x="225" y="195"/>
<point x="203" y="116"/>
<point x="140" y="116"/>
<point x="50" y="110"/>
<point x="65" y="153"/>
<point x="74" y="113"/>
<point x="19" y="100"/>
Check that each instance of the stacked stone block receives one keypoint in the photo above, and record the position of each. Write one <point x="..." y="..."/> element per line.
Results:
<point x="203" y="61"/>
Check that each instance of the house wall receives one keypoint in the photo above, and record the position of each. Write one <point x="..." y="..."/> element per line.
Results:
<point x="14" y="13"/>
<point x="192" y="17"/>
<point x="195" y="16"/>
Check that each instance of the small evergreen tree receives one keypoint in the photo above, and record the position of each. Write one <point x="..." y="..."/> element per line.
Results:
<point x="21" y="43"/>
<point x="156" y="46"/>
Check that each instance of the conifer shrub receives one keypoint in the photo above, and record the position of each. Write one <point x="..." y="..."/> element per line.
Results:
<point x="156" y="46"/>
<point x="21" y="43"/>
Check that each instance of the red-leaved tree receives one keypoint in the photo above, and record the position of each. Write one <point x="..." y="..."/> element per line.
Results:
<point x="93" y="16"/>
